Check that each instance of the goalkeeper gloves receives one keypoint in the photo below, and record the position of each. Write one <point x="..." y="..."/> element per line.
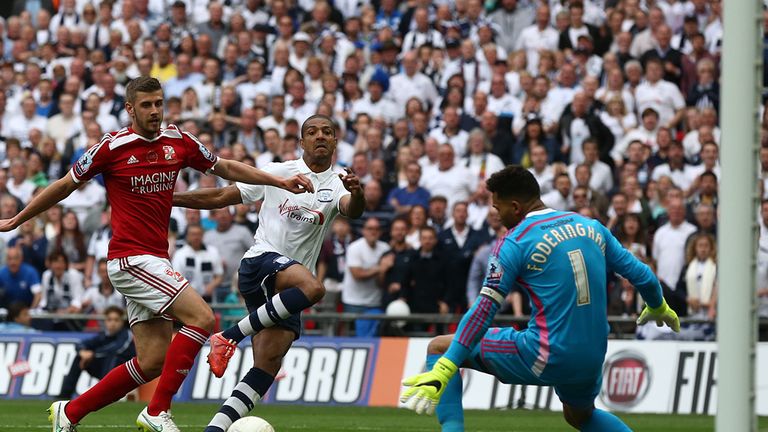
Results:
<point x="662" y="315"/>
<point x="424" y="390"/>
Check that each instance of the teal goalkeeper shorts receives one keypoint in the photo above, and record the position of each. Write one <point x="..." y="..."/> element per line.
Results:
<point x="503" y="353"/>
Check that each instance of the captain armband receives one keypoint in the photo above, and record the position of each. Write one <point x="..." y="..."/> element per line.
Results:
<point x="492" y="294"/>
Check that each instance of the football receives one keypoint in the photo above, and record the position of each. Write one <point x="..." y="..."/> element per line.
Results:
<point x="251" y="424"/>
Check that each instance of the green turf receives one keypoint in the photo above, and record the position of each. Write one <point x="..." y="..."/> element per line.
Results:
<point x="23" y="416"/>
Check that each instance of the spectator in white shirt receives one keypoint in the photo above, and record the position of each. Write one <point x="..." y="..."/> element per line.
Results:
<point x="61" y="287"/>
<point x="276" y="118"/>
<point x="411" y="83"/>
<point x="451" y="133"/>
<point x="254" y="83"/>
<point x="201" y="265"/>
<point x="662" y="95"/>
<point x="423" y="33"/>
<point x="102" y="295"/>
<point x="559" y="198"/>
<point x="373" y="103"/>
<point x="18" y="126"/>
<point x="360" y="290"/>
<point x="500" y="100"/>
<point x="681" y="173"/>
<point x="537" y="37"/>
<point x="480" y="161"/>
<point x="453" y="181"/>
<point x="184" y="79"/>
<point x="65" y="124"/>
<point x="645" y="133"/>
<point x="18" y="183"/>
<point x="543" y="172"/>
<point x="601" y="175"/>
<point x="669" y="250"/>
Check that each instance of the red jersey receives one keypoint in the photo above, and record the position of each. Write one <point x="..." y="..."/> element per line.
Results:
<point x="140" y="176"/>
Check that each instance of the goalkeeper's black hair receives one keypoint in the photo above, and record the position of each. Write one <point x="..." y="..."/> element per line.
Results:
<point x="514" y="182"/>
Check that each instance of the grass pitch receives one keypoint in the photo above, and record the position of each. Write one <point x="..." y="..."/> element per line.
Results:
<point x="28" y="416"/>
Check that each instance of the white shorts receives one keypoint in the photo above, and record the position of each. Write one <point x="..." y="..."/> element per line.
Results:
<point x="149" y="284"/>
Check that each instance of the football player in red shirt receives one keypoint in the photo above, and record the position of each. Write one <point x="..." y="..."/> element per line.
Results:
<point x="140" y="165"/>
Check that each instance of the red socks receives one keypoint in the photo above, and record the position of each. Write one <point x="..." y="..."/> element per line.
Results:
<point x="178" y="361"/>
<point x="116" y="384"/>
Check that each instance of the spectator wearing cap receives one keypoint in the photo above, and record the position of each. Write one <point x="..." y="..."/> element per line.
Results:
<point x="411" y="83"/>
<point x="590" y="65"/>
<point x="671" y="58"/>
<point x="373" y="103"/>
<point x="645" y="133"/>
<point x="540" y="36"/>
<point x="301" y="51"/>
<point x="569" y="38"/>
<point x="422" y="34"/>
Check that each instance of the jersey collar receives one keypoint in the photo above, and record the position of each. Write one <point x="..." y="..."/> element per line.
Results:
<point x="304" y="168"/>
<point x="539" y="212"/>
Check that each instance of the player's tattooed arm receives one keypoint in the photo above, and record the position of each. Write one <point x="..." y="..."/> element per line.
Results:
<point x="353" y="205"/>
<point x="212" y="198"/>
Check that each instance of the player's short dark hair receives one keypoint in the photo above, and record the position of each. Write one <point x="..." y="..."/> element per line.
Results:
<point x="141" y="84"/>
<point x="514" y="182"/>
<point x="316" y="116"/>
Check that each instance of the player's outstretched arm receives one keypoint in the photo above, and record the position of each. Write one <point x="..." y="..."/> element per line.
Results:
<point x="51" y="195"/>
<point x="640" y="275"/>
<point x="238" y="171"/>
<point x="208" y="199"/>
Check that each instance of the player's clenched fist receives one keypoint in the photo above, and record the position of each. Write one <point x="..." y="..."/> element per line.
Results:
<point x="425" y="389"/>
<point x="351" y="181"/>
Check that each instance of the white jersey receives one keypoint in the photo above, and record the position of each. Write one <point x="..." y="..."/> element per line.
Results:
<point x="291" y="224"/>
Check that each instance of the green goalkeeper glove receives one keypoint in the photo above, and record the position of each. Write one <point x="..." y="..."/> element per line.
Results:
<point x="662" y="315"/>
<point x="424" y="390"/>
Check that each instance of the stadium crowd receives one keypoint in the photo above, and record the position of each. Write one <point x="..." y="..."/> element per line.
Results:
<point x="612" y="105"/>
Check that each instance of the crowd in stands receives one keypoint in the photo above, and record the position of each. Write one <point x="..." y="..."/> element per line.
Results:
<point x="613" y="105"/>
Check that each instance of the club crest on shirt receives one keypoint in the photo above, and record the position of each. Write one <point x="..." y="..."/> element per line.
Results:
<point x="325" y="195"/>
<point x="169" y="153"/>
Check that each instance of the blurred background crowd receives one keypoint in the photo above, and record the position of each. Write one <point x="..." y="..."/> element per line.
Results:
<point x="612" y="105"/>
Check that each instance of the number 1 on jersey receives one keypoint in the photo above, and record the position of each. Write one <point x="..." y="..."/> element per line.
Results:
<point x="580" y="277"/>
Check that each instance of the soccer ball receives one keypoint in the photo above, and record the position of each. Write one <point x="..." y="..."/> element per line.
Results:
<point x="251" y="424"/>
<point x="398" y="308"/>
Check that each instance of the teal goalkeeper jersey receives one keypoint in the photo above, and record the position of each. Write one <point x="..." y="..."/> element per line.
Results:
<point x="561" y="260"/>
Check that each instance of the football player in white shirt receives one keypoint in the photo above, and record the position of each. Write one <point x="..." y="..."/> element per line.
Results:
<point x="276" y="276"/>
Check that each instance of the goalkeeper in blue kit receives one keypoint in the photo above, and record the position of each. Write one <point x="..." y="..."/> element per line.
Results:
<point x="561" y="260"/>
